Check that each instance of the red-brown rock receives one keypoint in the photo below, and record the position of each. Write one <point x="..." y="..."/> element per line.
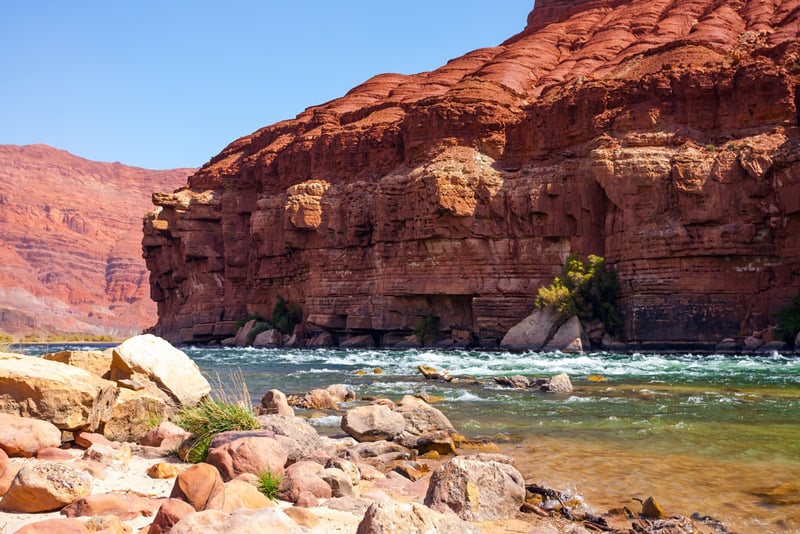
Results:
<point x="661" y="135"/>
<point x="201" y="486"/>
<point x="126" y="506"/>
<point x="170" y="512"/>
<point x="248" y="455"/>
<point x="24" y="436"/>
<point x="71" y="241"/>
<point x="62" y="526"/>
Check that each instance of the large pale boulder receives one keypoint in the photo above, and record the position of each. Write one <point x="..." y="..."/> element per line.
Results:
<point x="391" y="517"/>
<point x="22" y="436"/>
<point x="248" y="455"/>
<point x="134" y="413"/>
<point x="97" y="362"/>
<point x="148" y="357"/>
<point x="422" y="418"/>
<point x="269" y="339"/>
<point x="66" y="396"/>
<point x="484" y="487"/>
<point x="373" y="422"/>
<point x="570" y="337"/>
<point x="45" y="487"/>
<point x="532" y="332"/>
<point x="272" y="520"/>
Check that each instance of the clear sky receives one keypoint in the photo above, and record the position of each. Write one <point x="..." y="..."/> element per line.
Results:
<point x="164" y="84"/>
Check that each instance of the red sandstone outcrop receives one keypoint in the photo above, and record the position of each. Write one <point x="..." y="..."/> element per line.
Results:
<point x="662" y="135"/>
<point x="71" y="242"/>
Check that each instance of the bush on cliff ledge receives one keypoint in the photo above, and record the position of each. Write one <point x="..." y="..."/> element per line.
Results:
<point x="586" y="289"/>
<point x="789" y="320"/>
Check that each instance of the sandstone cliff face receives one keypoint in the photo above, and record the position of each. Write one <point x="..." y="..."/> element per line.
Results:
<point x="71" y="235"/>
<point x="662" y="135"/>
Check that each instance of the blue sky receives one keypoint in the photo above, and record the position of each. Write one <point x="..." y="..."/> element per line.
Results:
<point x="165" y="84"/>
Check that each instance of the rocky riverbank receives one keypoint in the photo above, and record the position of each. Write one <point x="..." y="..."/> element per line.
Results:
<point x="88" y="447"/>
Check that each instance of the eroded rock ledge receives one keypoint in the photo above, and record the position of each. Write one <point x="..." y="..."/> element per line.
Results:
<point x="660" y="135"/>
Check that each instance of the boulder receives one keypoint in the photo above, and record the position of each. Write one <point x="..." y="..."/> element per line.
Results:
<point x="570" y="337"/>
<point x="390" y="517"/>
<point x="268" y="339"/>
<point x="25" y="437"/>
<point x="153" y="359"/>
<point x="241" y="494"/>
<point x="346" y="466"/>
<point x="477" y="488"/>
<point x="272" y="520"/>
<point x="243" y="334"/>
<point x="7" y="472"/>
<point x="126" y="506"/>
<point x="532" y="332"/>
<point x="751" y="343"/>
<point x="45" y="487"/>
<point x="341" y="393"/>
<point x="516" y="381"/>
<point x="87" y="439"/>
<point x="727" y="345"/>
<point x="558" y="384"/>
<point x="303" y="477"/>
<point x="431" y="373"/>
<point x="170" y="512"/>
<point x="274" y="402"/>
<point x="201" y="486"/>
<point x="94" y="361"/>
<point x="373" y="422"/>
<point x="54" y="454"/>
<point x="66" y="396"/>
<point x="109" y="456"/>
<point x="365" y="341"/>
<point x="62" y="526"/>
<point x="134" y="413"/>
<point x="166" y="435"/>
<point x="298" y="438"/>
<point x="439" y="441"/>
<point x="340" y="482"/>
<point x="163" y="470"/>
<point x="422" y="418"/>
<point x="319" y="399"/>
<point x="248" y="455"/>
<point x="302" y="517"/>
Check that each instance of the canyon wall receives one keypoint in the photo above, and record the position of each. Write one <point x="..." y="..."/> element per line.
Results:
<point x="662" y="135"/>
<point x="71" y="243"/>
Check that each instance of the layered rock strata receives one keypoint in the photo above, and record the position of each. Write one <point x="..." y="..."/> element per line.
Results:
<point x="661" y="135"/>
<point x="71" y="243"/>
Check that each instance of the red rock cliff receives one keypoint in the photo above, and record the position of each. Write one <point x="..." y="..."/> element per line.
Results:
<point x="660" y="134"/>
<point x="71" y="231"/>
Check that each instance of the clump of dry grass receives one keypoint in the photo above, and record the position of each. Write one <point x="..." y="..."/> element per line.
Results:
<point x="224" y="410"/>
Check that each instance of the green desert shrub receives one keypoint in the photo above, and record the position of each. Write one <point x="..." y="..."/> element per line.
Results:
<point x="285" y="316"/>
<point x="586" y="289"/>
<point x="220" y="412"/>
<point x="427" y="329"/>
<point x="788" y="319"/>
<point x="268" y="484"/>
